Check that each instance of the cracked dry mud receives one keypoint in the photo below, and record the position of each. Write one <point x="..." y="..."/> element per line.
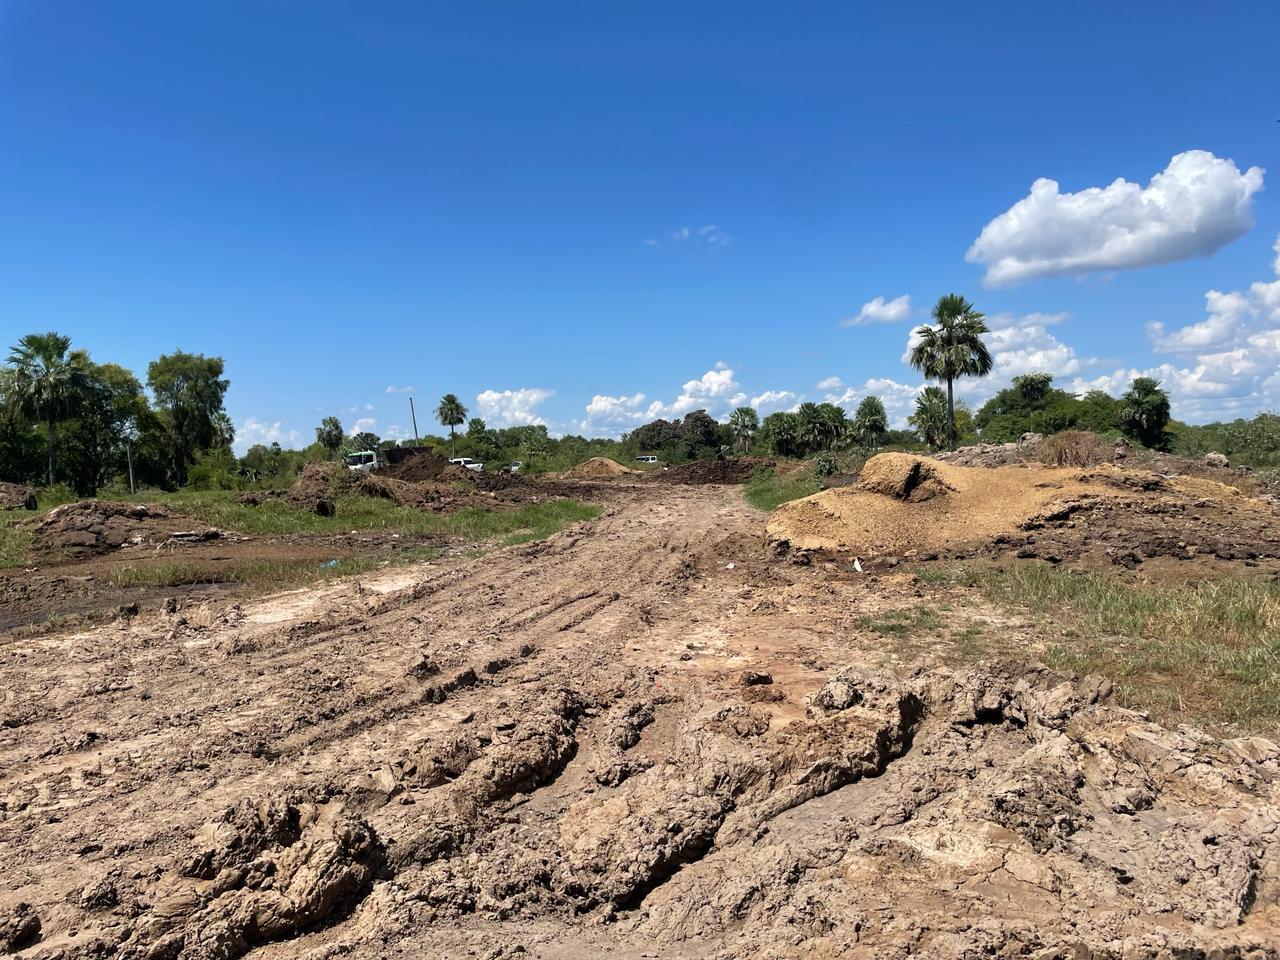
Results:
<point x="611" y="743"/>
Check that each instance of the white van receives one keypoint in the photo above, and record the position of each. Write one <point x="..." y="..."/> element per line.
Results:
<point x="468" y="463"/>
<point x="365" y="461"/>
<point x="648" y="458"/>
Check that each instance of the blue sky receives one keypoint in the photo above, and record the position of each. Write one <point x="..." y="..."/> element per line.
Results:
<point x="588" y="214"/>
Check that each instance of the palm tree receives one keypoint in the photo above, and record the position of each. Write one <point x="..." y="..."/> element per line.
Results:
<point x="835" y="425"/>
<point x="932" y="417"/>
<point x="952" y="349"/>
<point x="452" y="414"/>
<point x="744" y="422"/>
<point x="870" y="421"/>
<point x="1145" y="413"/>
<point x="45" y="381"/>
<point x="812" y="428"/>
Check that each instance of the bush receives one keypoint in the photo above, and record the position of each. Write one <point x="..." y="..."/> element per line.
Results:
<point x="1072" y="448"/>
<point x="825" y="465"/>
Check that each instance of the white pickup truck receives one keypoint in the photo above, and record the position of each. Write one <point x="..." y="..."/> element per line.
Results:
<point x="364" y="461"/>
<point x="468" y="463"/>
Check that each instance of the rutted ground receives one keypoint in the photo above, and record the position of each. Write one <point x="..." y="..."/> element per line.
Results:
<point x="638" y="738"/>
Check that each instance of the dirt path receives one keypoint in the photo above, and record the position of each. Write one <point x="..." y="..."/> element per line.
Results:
<point x="641" y="737"/>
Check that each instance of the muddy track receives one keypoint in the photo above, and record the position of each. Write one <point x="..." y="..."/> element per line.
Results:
<point x="639" y="738"/>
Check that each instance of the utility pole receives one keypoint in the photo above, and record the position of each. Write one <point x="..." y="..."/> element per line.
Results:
<point x="415" y="423"/>
<point x="128" y="453"/>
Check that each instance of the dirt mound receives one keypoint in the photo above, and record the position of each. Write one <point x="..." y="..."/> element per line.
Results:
<point x="417" y="468"/>
<point x="99" y="526"/>
<point x="732" y="470"/>
<point x="318" y="487"/>
<point x="904" y="502"/>
<point x="16" y="497"/>
<point x="598" y="468"/>
<point x="904" y="477"/>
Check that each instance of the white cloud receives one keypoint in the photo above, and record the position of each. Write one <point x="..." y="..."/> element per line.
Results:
<point x="512" y="408"/>
<point x="830" y="383"/>
<point x="252" y="431"/>
<point x="1198" y="204"/>
<point x="899" y="399"/>
<point x="771" y="401"/>
<point x="395" y="389"/>
<point x="1235" y="356"/>
<point x="707" y="236"/>
<point x="880" y="311"/>
<point x="363" y="425"/>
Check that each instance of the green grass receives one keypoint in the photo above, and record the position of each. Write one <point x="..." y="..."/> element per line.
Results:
<point x="1209" y="651"/>
<point x="900" y="623"/>
<point x="219" y="508"/>
<point x="265" y="573"/>
<point x="766" y="490"/>
<point x="14" y="545"/>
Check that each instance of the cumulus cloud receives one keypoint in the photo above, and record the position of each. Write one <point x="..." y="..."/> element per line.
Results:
<point x="363" y="425"/>
<point x="1234" y="356"/>
<point x="395" y="389"/>
<point x="880" y="311"/>
<point x="716" y="391"/>
<point x="771" y="401"/>
<point x="899" y="399"/>
<point x="1198" y="204"/>
<point x="830" y="383"/>
<point x="512" y="408"/>
<point x="252" y="431"/>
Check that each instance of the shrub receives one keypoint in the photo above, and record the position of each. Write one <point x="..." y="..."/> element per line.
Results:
<point x="825" y="465"/>
<point x="1072" y="448"/>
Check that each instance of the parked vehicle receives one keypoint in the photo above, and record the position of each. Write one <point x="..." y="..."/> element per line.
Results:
<point x="648" y="458"/>
<point x="364" y="461"/>
<point x="467" y="462"/>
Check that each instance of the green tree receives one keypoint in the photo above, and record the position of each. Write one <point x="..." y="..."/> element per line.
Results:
<point x="1145" y="413"/>
<point x="452" y="414"/>
<point x="189" y="389"/>
<point x="744" y="422"/>
<point x="111" y="409"/>
<point x="932" y="418"/>
<point x="330" y="435"/>
<point x="781" y="433"/>
<point x="45" y="382"/>
<point x="870" y="421"/>
<point x="952" y="348"/>
<point x="364" y="440"/>
<point x="476" y="427"/>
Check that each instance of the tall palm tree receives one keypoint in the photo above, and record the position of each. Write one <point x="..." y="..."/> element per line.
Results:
<point x="452" y="414"/>
<point x="951" y="349"/>
<point x="744" y="422"/>
<point x="870" y="421"/>
<point x="1145" y="413"/>
<point x="45" y="381"/>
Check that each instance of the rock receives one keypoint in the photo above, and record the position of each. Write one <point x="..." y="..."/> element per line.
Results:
<point x="1030" y="439"/>
<point x="1214" y="459"/>
<point x="19" y="928"/>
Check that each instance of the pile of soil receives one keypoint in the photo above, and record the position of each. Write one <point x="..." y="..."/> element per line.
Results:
<point x="904" y="502"/>
<point x="598" y="468"/>
<point x="16" y="497"/>
<point x="419" y="468"/>
<point x="100" y="526"/>
<point x="318" y="486"/>
<point x="731" y="470"/>
<point x="916" y="506"/>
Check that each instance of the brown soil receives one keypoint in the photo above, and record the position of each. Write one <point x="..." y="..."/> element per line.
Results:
<point x="640" y="738"/>
<point x="16" y="497"/>
<point x="101" y="526"/>
<point x="912" y="507"/>
<point x="731" y="470"/>
<point x="598" y="468"/>
<point x="418" y="468"/>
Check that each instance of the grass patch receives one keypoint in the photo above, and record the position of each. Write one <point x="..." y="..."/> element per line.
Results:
<point x="219" y="508"/>
<point x="1210" y="650"/>
<point x="766" y="490"/>
<point x="14" y="546"/>
<point x="900" y="623"/>
<point x="264" y="573"/>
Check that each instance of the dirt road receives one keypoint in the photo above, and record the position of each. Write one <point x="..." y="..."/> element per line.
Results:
<point x="643" y="737"/>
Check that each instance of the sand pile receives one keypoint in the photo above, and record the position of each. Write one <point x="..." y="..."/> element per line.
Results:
<point x="904" y="502"/>
<point x="598" y="468"/>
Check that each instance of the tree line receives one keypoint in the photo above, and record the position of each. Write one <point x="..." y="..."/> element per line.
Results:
<point x="65" y="418"/>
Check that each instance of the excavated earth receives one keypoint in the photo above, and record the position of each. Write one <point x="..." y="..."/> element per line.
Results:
<point x="644" y="737"/>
